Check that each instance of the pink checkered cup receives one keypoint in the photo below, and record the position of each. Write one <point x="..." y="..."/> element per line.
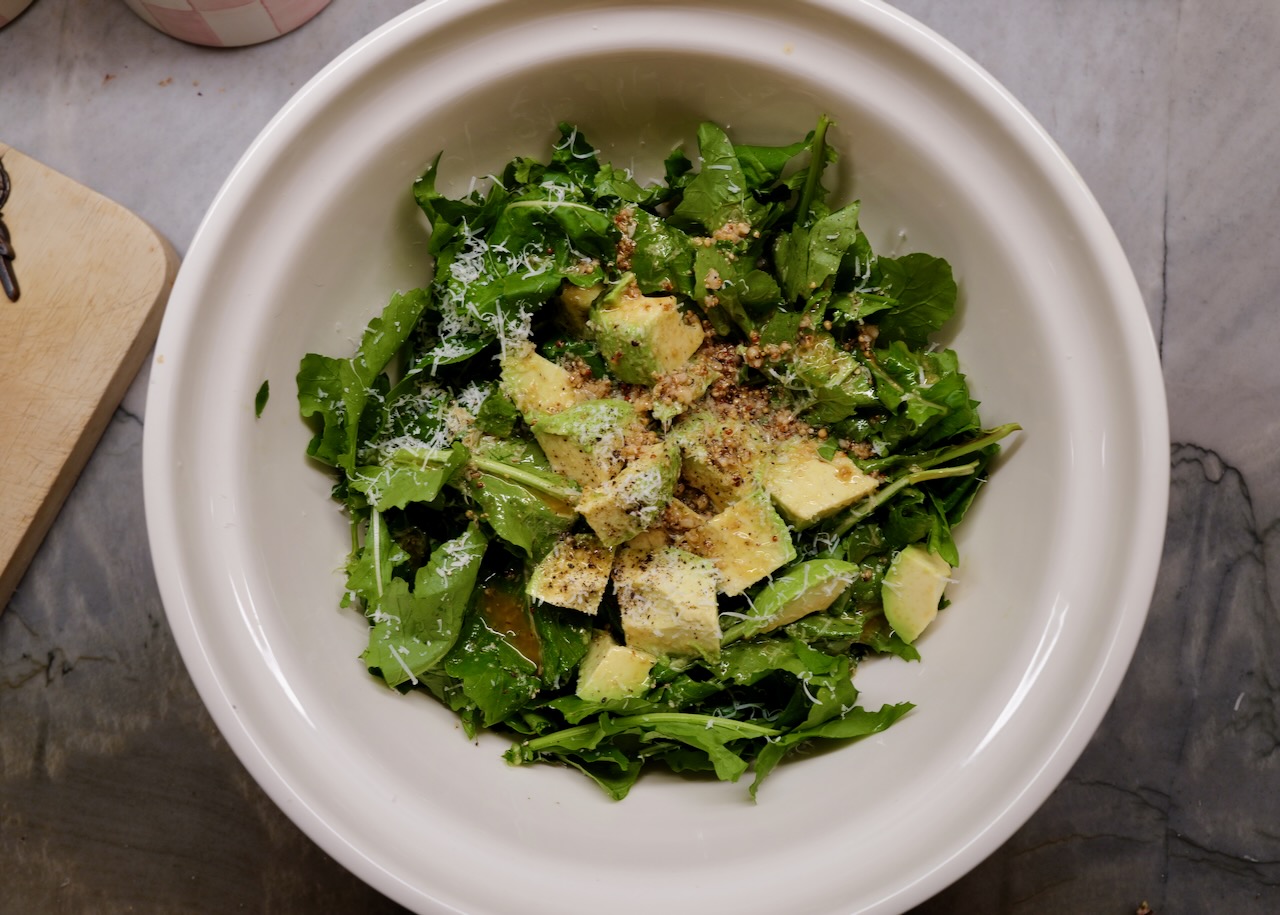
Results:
<point x="226" y="23"/>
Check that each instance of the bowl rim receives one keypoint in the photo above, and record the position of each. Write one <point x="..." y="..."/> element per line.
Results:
<point x="176" y="334"/>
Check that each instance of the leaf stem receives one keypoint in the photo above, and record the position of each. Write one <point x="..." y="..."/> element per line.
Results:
<point x="652" y="719"/>
<point x="566" y="491"/>
<point x="990" y="437"/>
<point x="552" y="484"/>
<point x="928" y="459"/>
<point x="917" y="475"/>
<point x="550" y="205"/>
<point x="817" y="162"/>
<point x="375" y="528"/>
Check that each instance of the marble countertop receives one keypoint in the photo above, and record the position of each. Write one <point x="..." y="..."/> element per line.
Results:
<point x="118" y="794"/>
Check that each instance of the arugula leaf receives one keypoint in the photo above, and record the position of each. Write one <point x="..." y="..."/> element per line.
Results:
<point x="762" y="165"/>
<point x="857" y="722"/>
<point x="618" y="184"/>
<point x="444" y="213"/>
<point x="260" y="399"/>
<point x="586" y="228"/>
<point x="837" y="381"/>
<point x="609" y="767"/>
<point x="496" y="679"/>
<point x="809" y="256"/>
<point x="521" y="172"/>
<point x="940" y="539"/>
<point x="927" y="389"/>
<point x="371" y="567"/>
<point x="518" y="514"/>
<point x="848" y="308"/>
<point x="925" y="292"/>
<point x="708" y="733"/>
<point x="782" y="327"/>
<point x="575" y="156"/>
<point x="563" y="640"/>
<point x="717" y="195"/>
<point x="329" y="388"/>
<point x="662" y="259"/>
<point x="910" y="518"/>
<point x="748" y="662"/>
<point x="491" y="280"/>
<point x="830" y="693"/>
<point x="408" y="476"/>
<point x="337" y="390"/>
<point x="717" y="280"/>
<point x="415" y="408"/>
<point x="497" y="415"/>
<point x="413" y="631"/>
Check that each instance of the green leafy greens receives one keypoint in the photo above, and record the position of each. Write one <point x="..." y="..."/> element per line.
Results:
<point x="591" y="353"/>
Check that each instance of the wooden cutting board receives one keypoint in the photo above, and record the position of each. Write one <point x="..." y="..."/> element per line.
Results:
<point x="93" y="278"/>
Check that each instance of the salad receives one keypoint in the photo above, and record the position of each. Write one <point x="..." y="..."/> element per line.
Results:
<point x="644" y="470"/>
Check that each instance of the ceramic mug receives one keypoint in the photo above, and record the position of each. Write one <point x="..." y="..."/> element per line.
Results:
<point x="226" y="23"/>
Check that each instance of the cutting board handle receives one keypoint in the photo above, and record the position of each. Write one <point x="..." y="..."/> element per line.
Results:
<point x="94" y="281"/>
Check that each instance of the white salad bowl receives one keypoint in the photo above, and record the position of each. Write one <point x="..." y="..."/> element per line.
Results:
<point x="316" y="227"/>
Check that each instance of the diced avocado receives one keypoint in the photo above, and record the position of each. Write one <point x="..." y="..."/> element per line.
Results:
<point x="631" y="502"/>
<point x="676" y="520"/>
<point x="655" y="538"/>
<point x="675" y="392"/>
<point x="612" y="671"/>
<point x="911" y="589"/>
<point x="667" y="600"/>
<point x="680" y="517"/>
<point x="536" y="385"/>
<point x="807" y="488"/>
<point x="808" y="588"/>
<point x="582" y="442"/>
<point x="747" y="541"/>
<point x="719" y="456"/>
<point x="588" y="469"/>
<point x="574" y="574"/>
<point x="575" y="306"/>
<point x="642" y="337"/>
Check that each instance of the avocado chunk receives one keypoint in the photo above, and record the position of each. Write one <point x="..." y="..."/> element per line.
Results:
<point x="536" y="385"/>
<point x="747" y="541"/>
<point x="719" y="456"/>
<point x="807" y="588"/>
<point x="807" y="487"/>
<point x="612" y="671"/>
<point x="583" y="441"/>
<point x="655" y="538"/>
<point x="574" y="307"/>
<point x="679" y="517"/>
<point x="643" y="337"/>
<point x="667" y="600"/>
<point x="911" y="589"/>
<point x="675" y="392"/>
<point x="633" y="500"/>
<point x="574" y="574"/>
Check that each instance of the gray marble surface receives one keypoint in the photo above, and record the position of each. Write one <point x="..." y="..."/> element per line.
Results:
<point x="118" y="794"/>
